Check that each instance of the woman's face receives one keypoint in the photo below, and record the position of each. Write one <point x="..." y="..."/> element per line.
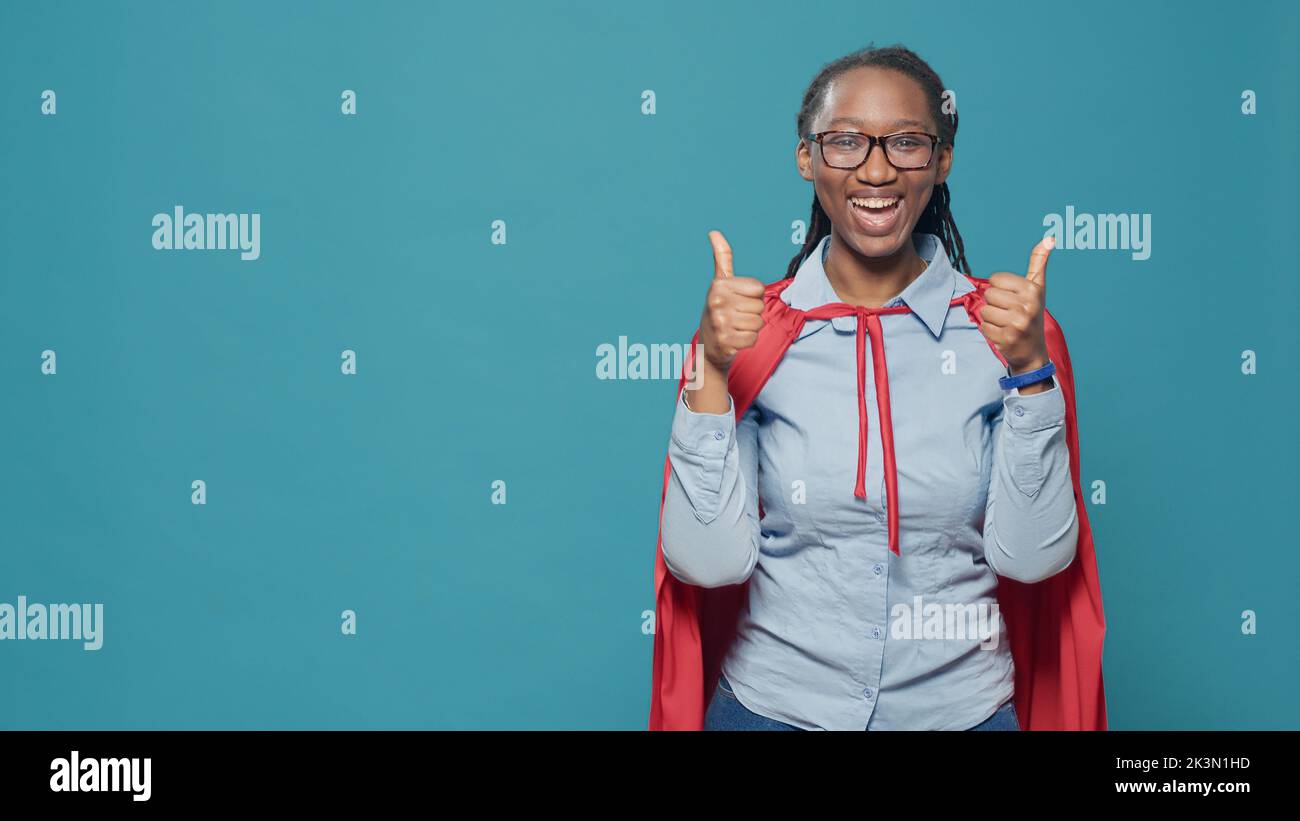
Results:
<point x="875" y="101"/>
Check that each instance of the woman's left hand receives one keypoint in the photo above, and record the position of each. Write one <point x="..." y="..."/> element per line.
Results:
<point x="1012" y="316"/>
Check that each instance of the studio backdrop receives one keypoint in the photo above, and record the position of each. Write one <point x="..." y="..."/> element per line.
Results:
<point x="322" y="329"/>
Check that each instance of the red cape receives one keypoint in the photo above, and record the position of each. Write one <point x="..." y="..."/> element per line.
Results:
<point x="1056" y="627"/>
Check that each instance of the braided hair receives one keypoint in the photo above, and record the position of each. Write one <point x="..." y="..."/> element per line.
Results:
<point x="937" y="218"/>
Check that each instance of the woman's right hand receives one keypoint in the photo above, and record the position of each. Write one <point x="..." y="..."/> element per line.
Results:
<point x="733" y="309"/>
<point x="732" y="318"/>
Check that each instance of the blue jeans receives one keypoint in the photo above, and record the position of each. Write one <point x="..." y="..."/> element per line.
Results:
<point x="727" y="713"/>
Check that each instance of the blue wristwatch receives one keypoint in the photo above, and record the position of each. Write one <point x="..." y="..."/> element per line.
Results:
<point x="1027" y="378"/>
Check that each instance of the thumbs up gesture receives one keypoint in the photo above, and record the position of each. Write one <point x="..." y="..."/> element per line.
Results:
<point x="1012" y="316"/>
<point x="733" y="309"/>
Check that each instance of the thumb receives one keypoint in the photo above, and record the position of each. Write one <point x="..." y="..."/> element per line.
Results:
<point x="721" y="256"/>
<point x="1038" y="261"/>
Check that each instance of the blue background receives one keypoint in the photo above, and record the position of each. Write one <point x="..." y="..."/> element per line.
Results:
<point x="477" y="361"/>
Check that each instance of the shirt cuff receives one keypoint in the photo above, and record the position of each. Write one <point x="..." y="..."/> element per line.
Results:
<point x="1026" y="413"/>
<point x="699" y="451"/>
<point x="704" y="434"/>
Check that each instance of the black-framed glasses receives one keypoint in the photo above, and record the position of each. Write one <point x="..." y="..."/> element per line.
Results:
<point x="905" y="150"/>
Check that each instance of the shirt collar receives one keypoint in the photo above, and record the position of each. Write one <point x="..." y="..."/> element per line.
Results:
<point x="928" y="295"/>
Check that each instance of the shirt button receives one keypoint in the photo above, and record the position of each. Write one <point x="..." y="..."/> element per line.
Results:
<point x="1020" y="411"/>
<point x="719" y="435"/>
<point x="875" y="632"/>
<point x="877" y="570"/>
<point x="868" y="692"/>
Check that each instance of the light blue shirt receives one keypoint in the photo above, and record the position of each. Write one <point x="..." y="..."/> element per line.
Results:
<point x="984" y="489"/>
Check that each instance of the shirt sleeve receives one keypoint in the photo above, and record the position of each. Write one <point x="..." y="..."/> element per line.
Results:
<point x="710" y="525"/>
<point x="1031" y="526"/>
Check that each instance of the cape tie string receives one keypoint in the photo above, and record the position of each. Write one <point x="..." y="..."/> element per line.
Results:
<point x="868" y="324"/>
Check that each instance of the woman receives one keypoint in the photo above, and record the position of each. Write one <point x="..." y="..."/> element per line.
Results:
<point x="836" y="580"/>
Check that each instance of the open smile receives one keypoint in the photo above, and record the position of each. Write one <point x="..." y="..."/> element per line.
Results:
<point x="876" y="216"/>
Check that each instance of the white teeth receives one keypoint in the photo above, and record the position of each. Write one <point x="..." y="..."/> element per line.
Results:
<point x="874" y="202"/>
